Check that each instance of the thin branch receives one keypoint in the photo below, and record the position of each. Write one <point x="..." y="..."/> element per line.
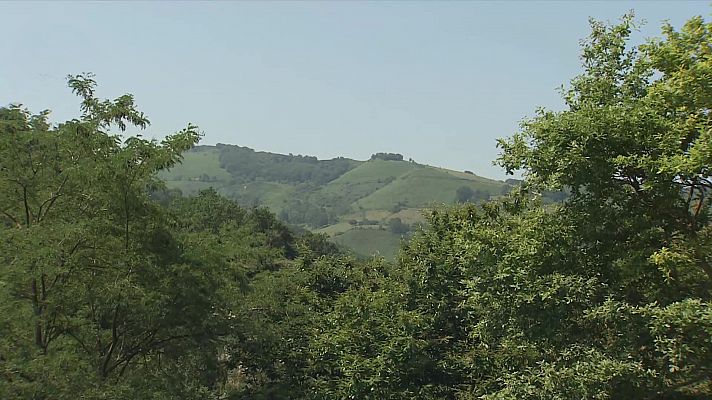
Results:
<point x="27" y="206"/>
<point x="112" y="346"/>
<point x="17" y="223"/>
<point x="51" y="200"/>
<point x="78" y="340"/>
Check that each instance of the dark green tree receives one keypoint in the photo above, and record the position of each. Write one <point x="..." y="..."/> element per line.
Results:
<point x="464" y="194"/>
<point x="96" y="296"/>
<point x="395" y="225"/>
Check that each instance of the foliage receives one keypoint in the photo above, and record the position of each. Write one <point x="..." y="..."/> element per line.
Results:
<point x="464" y="194"/>
<point x="96" y="294"/>
<point x="249" y="165"/>
<point x="605" y="295"/>
<point x="299" y="211"/>
<point x="387" y="156"/>
<point x="397" y="226"/>
<point x="111" y="287"/>
<point x="634" y="150"/>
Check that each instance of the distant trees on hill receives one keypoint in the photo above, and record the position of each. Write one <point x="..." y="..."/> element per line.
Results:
<point x="387" y="156"/>
<point x="464" y="194"/>
<point x="397" y="226"/>
<point x="305" y="212"/>
<point x="249" y="165"/>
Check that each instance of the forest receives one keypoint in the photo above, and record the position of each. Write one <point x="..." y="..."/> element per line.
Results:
<point x="114" y="287"/>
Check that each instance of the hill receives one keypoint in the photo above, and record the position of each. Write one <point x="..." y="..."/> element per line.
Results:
<point x="368" y="206"/>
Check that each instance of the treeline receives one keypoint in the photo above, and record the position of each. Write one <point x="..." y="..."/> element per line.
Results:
<point x="387" y="156"/>
<point x="250" y="165"/>
<point x="106" y="293"/>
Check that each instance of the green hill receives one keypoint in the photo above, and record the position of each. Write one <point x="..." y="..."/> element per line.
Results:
<point x="421" y="187"/>
<point x="369" y="206"/>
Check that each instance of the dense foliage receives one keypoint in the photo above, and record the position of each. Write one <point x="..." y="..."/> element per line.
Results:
<point x="111" y="287"/>
<point x="387" y="156"/>
<point x="249" y="165"/>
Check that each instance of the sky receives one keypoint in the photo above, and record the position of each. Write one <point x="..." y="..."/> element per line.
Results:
<point x="436" y="81"/>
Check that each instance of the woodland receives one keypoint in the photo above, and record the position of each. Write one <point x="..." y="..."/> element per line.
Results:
<point x="114" y="287"/>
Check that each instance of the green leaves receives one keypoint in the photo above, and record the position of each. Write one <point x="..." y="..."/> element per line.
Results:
<point x="94" y="285"/>
<point x="103" y="114"/>
<point x="632" y="147"/>
<point x="602" y="296"/>
<point x="605" y="295"/>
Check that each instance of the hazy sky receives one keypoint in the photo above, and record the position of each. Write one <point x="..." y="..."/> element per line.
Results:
<point x="435" y="81"/>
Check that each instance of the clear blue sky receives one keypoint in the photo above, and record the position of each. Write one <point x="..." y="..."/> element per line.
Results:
<point x="435" y="81"/>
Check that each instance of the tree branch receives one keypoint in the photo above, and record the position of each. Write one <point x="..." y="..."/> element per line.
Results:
<point x="13" y="219"/>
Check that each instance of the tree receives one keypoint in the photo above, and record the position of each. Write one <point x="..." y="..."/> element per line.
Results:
<point x="605" y="295"/>
<point x="395" y="225"/>
<point x="387" y="156"/>
<point x="95" y="292"/>
<point x="633" y="147"/>
<point x="464" y="194"/>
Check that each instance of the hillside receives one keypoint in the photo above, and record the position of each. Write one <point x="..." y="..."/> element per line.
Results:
<point x="368" y="206"/>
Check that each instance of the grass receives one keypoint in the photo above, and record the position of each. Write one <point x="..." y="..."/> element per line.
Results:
<point x="425" y="187"/>
<point x="374" y="170"/>
<point x="273" y="195"/>
<point x="197" y="162"/>
<point x="410" y="215"/>
<point x="370" y="242"/>
<point x="336" y="229"/>
<point x="362" y="181"/>
<point x="374" y="215"/>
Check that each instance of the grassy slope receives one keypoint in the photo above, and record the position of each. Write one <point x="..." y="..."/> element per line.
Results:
<point x="273" y="195"/>
<point x="363" y="180"/>
<point x="374" y="197"/>
<point x="426" y="186"/>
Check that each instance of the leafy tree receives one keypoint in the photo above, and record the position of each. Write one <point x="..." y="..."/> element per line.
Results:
<point x="96" y="295"/>
<point x="634" y="149"/>
<point x="605" y="295"/>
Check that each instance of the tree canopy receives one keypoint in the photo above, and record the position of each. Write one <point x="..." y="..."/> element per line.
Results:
<point x="112" y="287"/>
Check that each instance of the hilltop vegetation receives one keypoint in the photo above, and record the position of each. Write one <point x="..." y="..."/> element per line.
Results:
<point x="113" y="287"/>
<point x="249" y="165"/>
